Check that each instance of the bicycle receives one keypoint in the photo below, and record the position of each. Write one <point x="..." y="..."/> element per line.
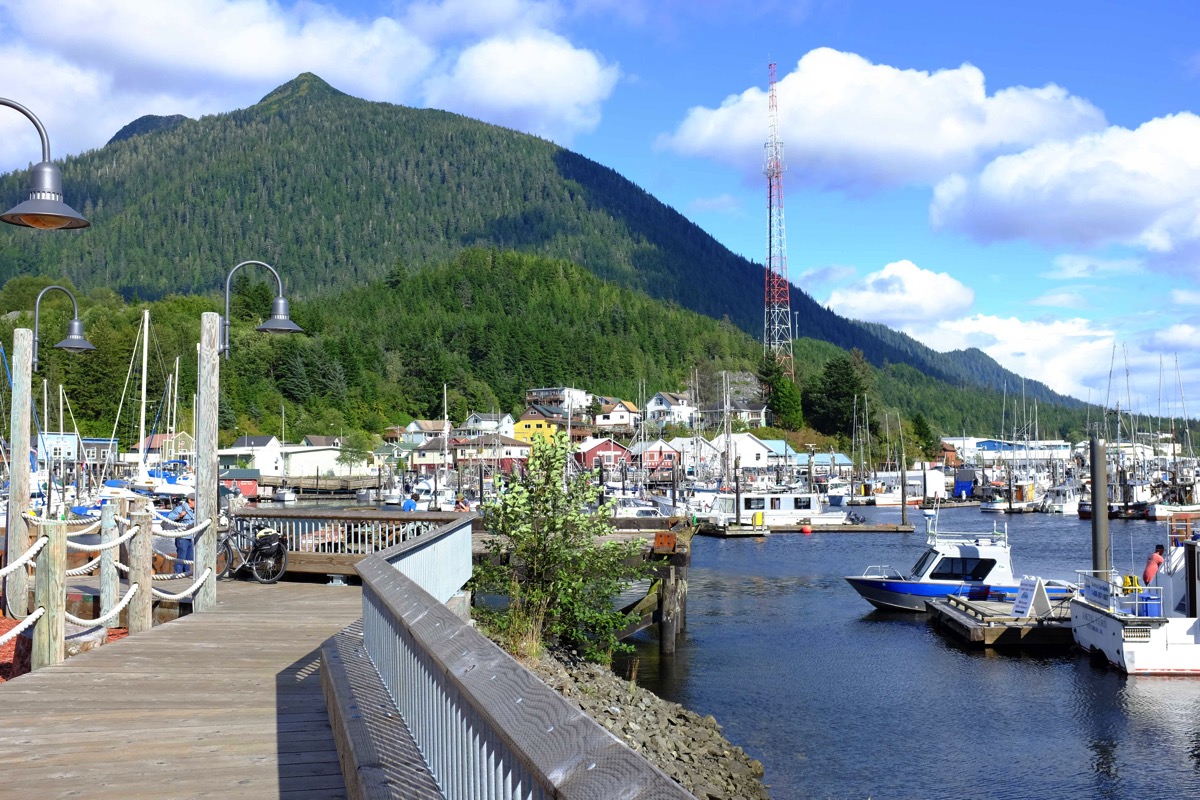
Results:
<point x="264" y="553"/>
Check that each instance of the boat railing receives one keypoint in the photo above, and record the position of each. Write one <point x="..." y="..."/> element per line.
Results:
<point x="883" y="571"/>
<point x="1107" y="589"/>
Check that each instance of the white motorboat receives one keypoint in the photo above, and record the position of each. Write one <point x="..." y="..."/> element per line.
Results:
<point x="1063" y="498"/>
<point x="1150" y="630"/>
<point x="954" y="563"/>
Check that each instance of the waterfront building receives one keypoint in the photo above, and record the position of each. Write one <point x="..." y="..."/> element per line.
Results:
<point x="670" y="408"/>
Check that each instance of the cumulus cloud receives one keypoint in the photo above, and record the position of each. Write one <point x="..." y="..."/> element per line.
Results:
<point x="98" y="66"/>
<point x="1185" y="297"/>
<point x="1180" y="336"/>
<point x="853" y="125"/>
<point x="1133" y="187"/>
<point x="1061" y="299"/>
<point x="825" y="276"/>
<point x="903" y="294"/>
<point x="537" y="82"/>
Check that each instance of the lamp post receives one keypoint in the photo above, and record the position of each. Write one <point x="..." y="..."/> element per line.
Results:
<point x="214" y="340"/>
<point x="43" y="209"/>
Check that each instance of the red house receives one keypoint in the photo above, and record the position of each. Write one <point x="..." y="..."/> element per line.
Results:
<point x="597" y="453"/>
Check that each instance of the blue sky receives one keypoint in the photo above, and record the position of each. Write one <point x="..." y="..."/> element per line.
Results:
<point x="1020" y="177"/>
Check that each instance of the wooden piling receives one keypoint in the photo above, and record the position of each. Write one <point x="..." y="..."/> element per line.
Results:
<point x="17" y="585"/>
<point x="50" y="593"/>
<point x="668" y="609"/>
<point x="141" y="554"/>
<point x="206" y="460"/>
<point x="110" y="582"/>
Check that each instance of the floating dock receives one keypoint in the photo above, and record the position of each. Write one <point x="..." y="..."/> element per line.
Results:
<point x="990" y="623"/>
<point x="736" y="531"/>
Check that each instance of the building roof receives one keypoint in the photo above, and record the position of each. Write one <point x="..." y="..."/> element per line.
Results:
<point x="254" y="441"/>
<point x="492" y="439"/>
<point x="674" y="398"/>
<point x="779" y="447"/>
<point x="323" y="441"/>
<point x="429" y="425"/>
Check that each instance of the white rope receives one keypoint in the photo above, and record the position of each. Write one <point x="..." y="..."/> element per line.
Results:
<point x="175" y="558"/>
<point x="121" y="567"/>
<point x="186" y="593"/>
<point x="36" y="521"/>
<point x="27" y="557"/>
<point x="92" y="526"/>
<point x="169" y="576"/>
<point x="120" y="540"/>
<point x="115" y="612"/>
<point x="85" y="569"/>
<point x="188" y="533"/>
<point x="124" y="520"/>
<point x="17" y="631"/>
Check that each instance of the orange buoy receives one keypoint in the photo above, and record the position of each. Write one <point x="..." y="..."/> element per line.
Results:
<point x="806" y="530"/>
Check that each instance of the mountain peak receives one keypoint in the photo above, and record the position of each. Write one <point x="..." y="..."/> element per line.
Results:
<point x="305" y="86"/>
<point x="150" y="123"/>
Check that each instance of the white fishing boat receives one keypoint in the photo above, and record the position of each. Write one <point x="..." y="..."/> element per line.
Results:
<point x="781" y="508"/>
<point x="1017" y="497"/>
<point x="954" y="563"/>
<point x="1146" y="630"/>
<point x="1063" y="498"/>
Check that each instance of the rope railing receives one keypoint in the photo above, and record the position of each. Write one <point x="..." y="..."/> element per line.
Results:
<point x="25" y="625"/>
<point x="187" y="533"/>
<point x="111" y="615"/>
<point x="85" y="569"/>
<point x="91" y="524"/>
<point x="161" y="595"/>
<point x="90" y="548"/>
<point x="26" y="557"/>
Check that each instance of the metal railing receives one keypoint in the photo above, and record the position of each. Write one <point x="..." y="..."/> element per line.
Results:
<point x="342" y="531"/>
<point x="487" y="727"/>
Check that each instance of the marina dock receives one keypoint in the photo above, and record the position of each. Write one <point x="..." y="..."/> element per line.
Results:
<point x="736" y="531"/>
<point x="990" y="623"/>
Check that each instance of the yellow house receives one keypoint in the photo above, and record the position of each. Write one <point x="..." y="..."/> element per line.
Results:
<point x="539" y="422"/>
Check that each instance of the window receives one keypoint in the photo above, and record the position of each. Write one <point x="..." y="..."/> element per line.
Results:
<point x="963" y="569"/>
<point x="776" y="503"/>
<point x="802" y="503"/>
<point x="91" y="454"/>
<point x="923" y="563"/>
<point x="754" y="504"/>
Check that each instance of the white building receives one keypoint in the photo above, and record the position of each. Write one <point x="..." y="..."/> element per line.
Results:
<point x="697" y="455"/>
<point x="747" y="451"/>
<point x="565" y="397"/>
<point x="670" y="408"/>
<point x="621" y="416"/>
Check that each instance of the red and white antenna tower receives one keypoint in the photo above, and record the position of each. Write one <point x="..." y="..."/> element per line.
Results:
<point x="777" y="320"/>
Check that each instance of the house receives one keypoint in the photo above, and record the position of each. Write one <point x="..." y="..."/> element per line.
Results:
<point x="577" y="400"/>
<point x="322" y="441"/>
<point x="670" y="408"/>
<point x="783" y="456"/>
<point x="433" y="455"/>
<point x="492" y="450"/>
<point x="753" y="414"/>
<point x="477" y="424"/>
<point x="263" y="453"/>
<point x="58" y="448"/>
<point x="423" y="430"/>
<point x="602" y="454"/>
<point x="619" y="417"/>
<point x="747" y="451"/>
<point x="394" y="433"/>
<point x="159" y="447"/>
<point x="697" y="454"/>
<point x="654" y="456"/>
<point x="101" y="452"/>
<point x="245" y="481"/>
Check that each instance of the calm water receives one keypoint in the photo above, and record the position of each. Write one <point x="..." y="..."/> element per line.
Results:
<point x="838" y="700"/>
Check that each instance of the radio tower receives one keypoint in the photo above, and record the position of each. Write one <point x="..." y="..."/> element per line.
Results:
<point x="777" y="324"/>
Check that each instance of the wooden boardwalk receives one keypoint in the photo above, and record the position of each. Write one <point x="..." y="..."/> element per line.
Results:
<point x="227" y="703"/>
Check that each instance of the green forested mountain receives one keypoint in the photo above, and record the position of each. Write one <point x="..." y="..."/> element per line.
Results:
<point x="337" y="191"/>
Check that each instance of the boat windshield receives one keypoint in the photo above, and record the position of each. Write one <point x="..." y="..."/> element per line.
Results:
<point x="923" y="563"/>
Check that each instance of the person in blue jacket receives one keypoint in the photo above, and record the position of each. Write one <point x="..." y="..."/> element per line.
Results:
<point x="185" y="550"/>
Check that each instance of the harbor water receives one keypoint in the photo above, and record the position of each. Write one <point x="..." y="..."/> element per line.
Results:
<point x="842" y="701"/>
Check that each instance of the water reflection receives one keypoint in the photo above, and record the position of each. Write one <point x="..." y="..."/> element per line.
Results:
<point x="837" y="699"/>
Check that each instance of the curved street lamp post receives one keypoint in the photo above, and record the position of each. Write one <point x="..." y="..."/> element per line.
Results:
<point x="214" y="340"/>
<point x="43" y="209"/>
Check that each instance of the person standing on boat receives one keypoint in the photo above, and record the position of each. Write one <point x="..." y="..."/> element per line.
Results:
<point x="185" y="550"/>
<point x="1152" y="564"/>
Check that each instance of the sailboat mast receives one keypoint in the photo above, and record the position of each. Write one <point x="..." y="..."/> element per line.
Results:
<point x="145" y="358"/>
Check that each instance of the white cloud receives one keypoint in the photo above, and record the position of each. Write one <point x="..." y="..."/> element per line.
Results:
<point x="903" y="294"/>
<point x="1185" y="297"/>
<point x="1061" y="299"/>
<point x="1071" y="266"/>
<point x="824" y="276"/>
<point x="537" y="82"/>
<point x="97" y="66"/>
<point x="1119" y="186"/>
<point x="1180" y="336"/>
<point x="849" y="124"/>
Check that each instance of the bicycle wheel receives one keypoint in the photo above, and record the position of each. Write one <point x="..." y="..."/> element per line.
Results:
<point x="224" y="557"/>
<point x="268" y="569"/>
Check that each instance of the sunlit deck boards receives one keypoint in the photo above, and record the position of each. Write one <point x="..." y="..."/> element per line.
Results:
<point x="227" y="703"/>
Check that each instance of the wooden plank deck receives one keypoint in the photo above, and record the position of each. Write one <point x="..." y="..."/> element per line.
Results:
<point x="227" y="703"/>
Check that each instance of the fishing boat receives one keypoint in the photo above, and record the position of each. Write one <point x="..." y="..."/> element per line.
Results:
<point x="976" y="564"/>
<point x="1063" y="498"/>
<point x="779" y="508"/>
<point x="1146" y="630"/>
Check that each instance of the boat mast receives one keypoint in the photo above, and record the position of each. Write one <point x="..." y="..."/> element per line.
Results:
<point x="142" y="417"/>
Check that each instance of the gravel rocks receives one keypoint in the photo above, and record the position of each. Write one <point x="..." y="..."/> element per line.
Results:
<point x="681" y="743"/>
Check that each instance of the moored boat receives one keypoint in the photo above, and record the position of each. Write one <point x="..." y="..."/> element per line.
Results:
<point x="779" y="508"/>
<point x="954" y="563"/>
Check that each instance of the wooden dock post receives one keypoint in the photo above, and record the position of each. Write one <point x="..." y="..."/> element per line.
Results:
<point x="110" y="582"/>
<point x="668" y="607"/>
<point x="17" y="530"/>
<point x="50" y="593"/>
<point x="206" y="459"/>
<point x="141" y="555"/>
